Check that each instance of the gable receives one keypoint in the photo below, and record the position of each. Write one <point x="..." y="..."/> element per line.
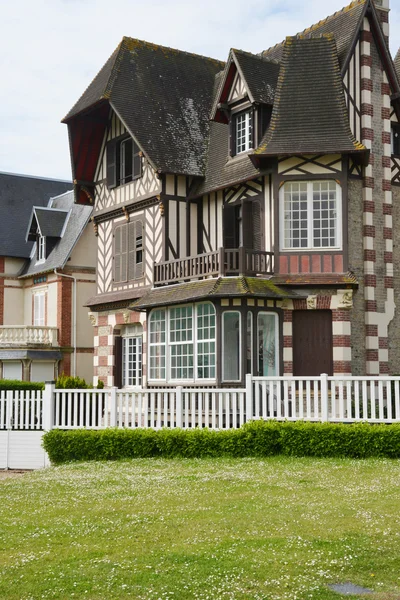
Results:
<point x="238" y="89"/>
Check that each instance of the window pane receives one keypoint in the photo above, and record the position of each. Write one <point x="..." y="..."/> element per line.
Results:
<point x="205" y="341"/>
<point x="157" y="344"/>
<point x="126" y="161"/>
<point x="132" y="361"/>
<point x="324" y="214"/>
<point x="295" y="215"/>
<point x="244" y="132"/>
<point x="267" y="344"/>
<point x="231" y="346"/>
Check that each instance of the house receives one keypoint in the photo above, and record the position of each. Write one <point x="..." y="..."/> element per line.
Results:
<point x="48" y="272"/>
<point x="245" y="211"/>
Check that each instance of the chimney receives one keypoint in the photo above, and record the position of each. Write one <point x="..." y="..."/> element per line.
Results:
<point x="383" y="8"/>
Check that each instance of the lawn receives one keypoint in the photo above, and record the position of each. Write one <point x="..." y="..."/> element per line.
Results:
<point x="278" y="528"/>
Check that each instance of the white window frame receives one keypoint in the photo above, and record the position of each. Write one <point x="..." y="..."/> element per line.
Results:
<point x="126" y="355"/>
<point x="248" y="118"/>
<point x="224" y="379"/>
<point x="310" y="218"/>
<point x="41" y="253"/>
<point x="167" y="344"/>
<point x="277" y="361"/>
<point x="39" y="308"/>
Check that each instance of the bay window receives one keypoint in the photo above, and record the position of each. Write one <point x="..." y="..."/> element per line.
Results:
<point x="182" y="343"/>
<point x="310" y="215"/>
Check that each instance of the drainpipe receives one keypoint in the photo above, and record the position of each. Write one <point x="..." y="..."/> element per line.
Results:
<point x="73" y="319"/>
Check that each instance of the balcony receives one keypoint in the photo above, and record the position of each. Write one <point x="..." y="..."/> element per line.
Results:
<point x="28" y="335"/>
<point x="222" y="262"/>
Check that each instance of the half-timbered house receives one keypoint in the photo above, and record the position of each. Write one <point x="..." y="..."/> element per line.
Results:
<point x="245" y="211"/>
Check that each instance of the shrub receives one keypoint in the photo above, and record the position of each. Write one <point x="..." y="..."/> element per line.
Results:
<point x="68" y="382"/>
<point x="15" y="384"/>
<point x="257" y="438"/>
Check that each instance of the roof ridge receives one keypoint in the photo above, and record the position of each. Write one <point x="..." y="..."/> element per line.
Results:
<point x="266" y="59"/>
<point x="129" y="41"/>
<point x="309" y="29"/>
<point x="25" y="176"/>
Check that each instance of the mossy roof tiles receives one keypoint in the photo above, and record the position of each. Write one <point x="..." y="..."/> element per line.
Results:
<point x="222" y="287"/>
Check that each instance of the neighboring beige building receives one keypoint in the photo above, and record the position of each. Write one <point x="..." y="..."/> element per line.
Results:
<point x="44" y="325"/>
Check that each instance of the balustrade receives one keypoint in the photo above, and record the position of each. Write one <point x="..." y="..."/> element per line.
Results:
<point x="24" y="335"/>
<point x="229" y="261"/>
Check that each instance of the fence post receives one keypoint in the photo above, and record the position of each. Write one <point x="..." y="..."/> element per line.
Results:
<point x="324" y="397"/>
<point x="9" y="411"/>
<point x="48" y="406"/>
<point x="113" y="407"/>
<point x="249" y="397"/>
<point x="178" y="406"/>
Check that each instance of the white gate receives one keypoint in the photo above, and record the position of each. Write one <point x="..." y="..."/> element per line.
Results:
<point x="21" y="430"/>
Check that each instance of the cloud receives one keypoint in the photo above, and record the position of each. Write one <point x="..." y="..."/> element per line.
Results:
<point x="52" y="49"/>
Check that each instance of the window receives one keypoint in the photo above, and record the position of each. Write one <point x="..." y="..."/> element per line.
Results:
<point x="132" y="361"/>
<point x="396" y="139"/>
<point x="128" y="251"/>
<point x="41" y="248"/>
<point x="243" y="131"/>
<point x="124" y="162"/>
<point x="231" y="346"/>
<point x="249" y="343"/>
<point x="39" y="308"/>
<point x="310" y="215"/>
<point x="182" y="343"/>
<point x="267" y="343"/>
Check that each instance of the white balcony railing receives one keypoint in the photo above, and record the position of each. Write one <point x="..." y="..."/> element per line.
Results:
<point x="28" y="335"/>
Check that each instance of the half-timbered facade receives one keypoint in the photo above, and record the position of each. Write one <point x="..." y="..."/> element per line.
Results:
<point x="244" y="211"/>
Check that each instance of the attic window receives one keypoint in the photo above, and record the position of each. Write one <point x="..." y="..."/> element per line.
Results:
<point x="243" y="131"/>
<point x="41" y="248"/>
<point x="124" y="162"/>
<point x="396" y="139"/>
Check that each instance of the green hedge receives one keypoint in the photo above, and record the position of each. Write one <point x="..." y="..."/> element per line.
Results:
<point x="258" y="438"/>
<point x="15" y="384"/>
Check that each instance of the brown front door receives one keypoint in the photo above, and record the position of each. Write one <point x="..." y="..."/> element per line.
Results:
<point x="312" y="342"/>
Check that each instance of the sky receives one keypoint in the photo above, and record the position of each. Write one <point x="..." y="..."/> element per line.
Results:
<point x="50" y="50"/>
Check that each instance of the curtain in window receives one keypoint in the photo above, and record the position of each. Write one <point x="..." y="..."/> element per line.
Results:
<point x="267" y="344"/>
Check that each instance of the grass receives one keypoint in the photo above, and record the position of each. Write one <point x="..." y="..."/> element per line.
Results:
<point x="279" y="528"/>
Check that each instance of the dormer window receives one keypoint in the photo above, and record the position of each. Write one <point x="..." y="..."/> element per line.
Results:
<point x="396" y="139"/>
<point x="124" y="162"/>
<point x="41" y="248"/>
<point x="243" y="129"/>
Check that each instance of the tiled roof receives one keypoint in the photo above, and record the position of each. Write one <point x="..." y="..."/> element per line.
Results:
<point x="18" y="194"/>
<point x="221" y="170"/>
<point x="111" y="297"/>
<point x="309" y="114"/>
<point x="59" y="254"/>
<point x="261" y="75"/>
<point x="342" y="24"/>
<point x="51" y="222"/>
<point x="222" y="287"/>
<point x="164" y="98"/>
<point x="315" y="279"/>
<point x="397" y="64"/>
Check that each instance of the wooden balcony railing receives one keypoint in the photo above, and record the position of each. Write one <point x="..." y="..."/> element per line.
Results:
<point x="27" y="335"/>
<point x="230" y="261"/>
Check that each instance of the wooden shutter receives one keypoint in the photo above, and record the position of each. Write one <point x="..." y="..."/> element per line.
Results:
<point x="135" y="254"/>
<point x="232" y="136"/>
<point x="120" y="253"/>
<point x="137" y="162"/>
<point x="139" y="254"/>
<point x="257" y="225"/>
<point x="118" y="361"/>
<point x="247" y="224"/>
<point x="229" y="224"/>
<point x="111" y="164"/>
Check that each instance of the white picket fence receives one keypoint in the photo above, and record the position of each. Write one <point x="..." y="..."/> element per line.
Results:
<point x="24" y="415"/>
